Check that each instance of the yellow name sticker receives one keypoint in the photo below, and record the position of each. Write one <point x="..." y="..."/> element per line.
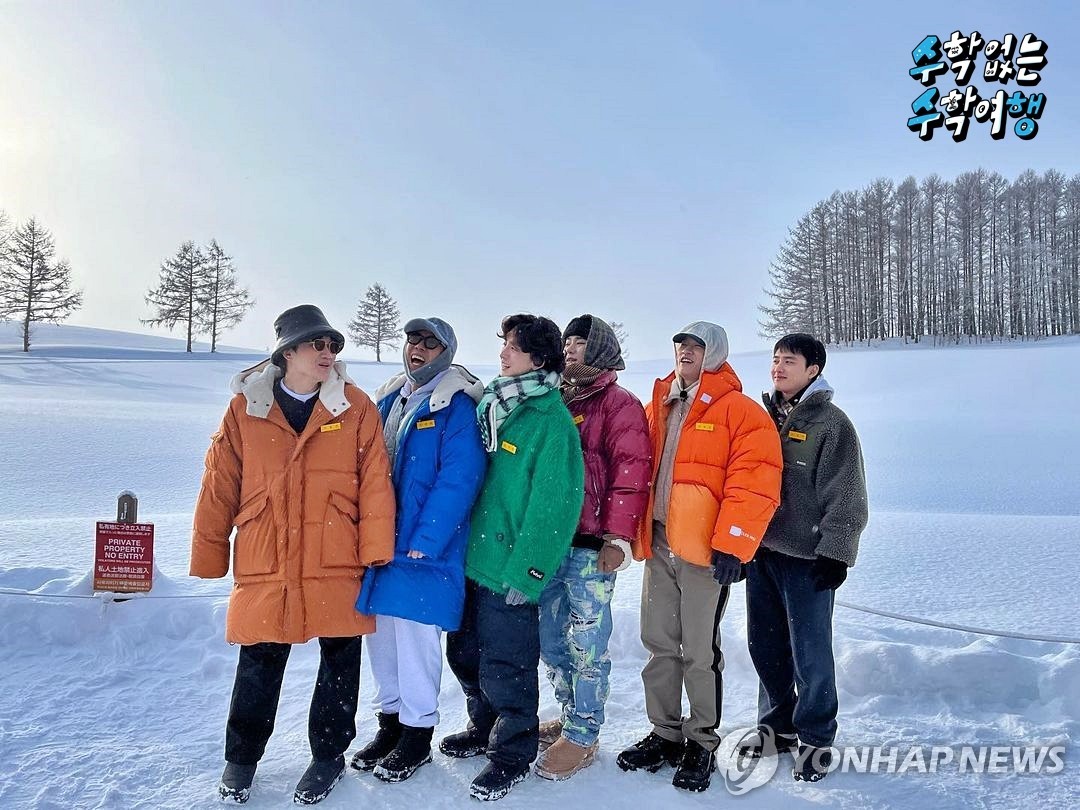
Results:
<point x="579" y="419"/>
<point x="708" y="427"/>
<point x="509" y="448"/>
<point x="331" y="427"/>
<point x="796" y="436"/>
<point x="426" y="423"/>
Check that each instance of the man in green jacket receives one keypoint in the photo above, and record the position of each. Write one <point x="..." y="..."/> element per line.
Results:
<point x="522" y="525"/>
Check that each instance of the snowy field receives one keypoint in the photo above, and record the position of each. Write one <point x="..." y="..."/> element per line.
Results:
<point x="973" y="473"/>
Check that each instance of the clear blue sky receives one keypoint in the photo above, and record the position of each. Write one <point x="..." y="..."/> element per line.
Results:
<point x="641" y="161"/>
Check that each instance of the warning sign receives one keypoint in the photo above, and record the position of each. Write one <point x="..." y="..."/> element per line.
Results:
<point x="124" y="560"/>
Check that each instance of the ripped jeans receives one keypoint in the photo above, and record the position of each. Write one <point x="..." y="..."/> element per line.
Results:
<point x="575" y="625"/>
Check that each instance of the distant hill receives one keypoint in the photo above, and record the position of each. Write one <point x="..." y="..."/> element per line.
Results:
<point x="47" y="337"/>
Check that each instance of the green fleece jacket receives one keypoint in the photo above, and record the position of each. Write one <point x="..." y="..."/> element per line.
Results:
<point x="528" y="509"/>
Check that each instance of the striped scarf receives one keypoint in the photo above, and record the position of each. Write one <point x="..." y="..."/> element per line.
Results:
<point x="503" y="394"/>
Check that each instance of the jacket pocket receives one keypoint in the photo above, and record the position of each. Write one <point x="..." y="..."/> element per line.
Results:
<point x="692" y="513"/>
<point x="255" y="546"/>
<point x="341" y="534"/>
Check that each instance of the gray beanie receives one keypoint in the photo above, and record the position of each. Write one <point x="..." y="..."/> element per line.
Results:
<point x="445" y="335"/>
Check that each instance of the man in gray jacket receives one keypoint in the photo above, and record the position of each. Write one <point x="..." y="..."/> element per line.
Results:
<point x="804" y="556"/>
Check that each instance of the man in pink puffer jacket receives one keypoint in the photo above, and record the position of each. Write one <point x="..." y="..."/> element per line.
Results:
<point x="575" y="607"/>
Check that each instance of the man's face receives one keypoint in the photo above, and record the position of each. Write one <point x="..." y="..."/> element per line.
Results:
<point x="574" y="347"/>
<point x="689" y="355"/>
<point x="512" y="360"/>
<point x="790" y="374"/>
<point x="418" y="354"/>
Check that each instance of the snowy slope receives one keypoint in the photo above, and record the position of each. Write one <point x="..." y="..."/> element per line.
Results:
<point x="974" y="521"/>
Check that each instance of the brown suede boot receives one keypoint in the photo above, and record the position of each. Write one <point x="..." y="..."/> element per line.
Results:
<point x="563" y="759"/>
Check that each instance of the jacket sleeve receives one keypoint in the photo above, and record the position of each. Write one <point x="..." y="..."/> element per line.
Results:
<point x="218" y="501"/>
<point x="628" y="455"/>
<point x="751" y="483"/>
<point x="841" y="493"/>
<point x="376" y="490"/>
<point x="554" y="498"/>
<point x="461" y="464"/>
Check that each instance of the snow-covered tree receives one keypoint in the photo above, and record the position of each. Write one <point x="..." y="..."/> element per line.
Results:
<point x="622" y="334"/>
<point x="224" y="303"/>
<point x="376" y="321"/>
<point x="181" y="291"/>
<point x="33" y="287"/>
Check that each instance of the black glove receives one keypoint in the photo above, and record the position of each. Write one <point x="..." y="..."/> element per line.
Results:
<point x="726" y="568"/>
<point x="828" y="574"/>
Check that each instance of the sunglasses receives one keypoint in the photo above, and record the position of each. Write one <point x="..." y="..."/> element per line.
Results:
<point x="430" y="342"/>
<point x="319" y="344"/>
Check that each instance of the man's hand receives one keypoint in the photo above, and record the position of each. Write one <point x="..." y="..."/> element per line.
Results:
<point x="515" y="597"/>
<point x="828" y="574"/>
<point x="727" y="568"/>
<point x="416" y="555"/>
<point x="614" y="554"/>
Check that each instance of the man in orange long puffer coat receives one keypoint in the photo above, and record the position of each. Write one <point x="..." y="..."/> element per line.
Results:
<point x="299" y="467"/>
<point x="716" y="483"/>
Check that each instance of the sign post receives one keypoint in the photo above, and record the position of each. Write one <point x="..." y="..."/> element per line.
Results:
<point x="124" y="553"/>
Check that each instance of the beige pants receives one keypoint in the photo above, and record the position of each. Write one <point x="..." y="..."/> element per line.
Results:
<point x="681" y="609"/>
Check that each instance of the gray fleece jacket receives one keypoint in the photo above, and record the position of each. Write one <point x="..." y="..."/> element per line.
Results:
<point x="823" y="506"/>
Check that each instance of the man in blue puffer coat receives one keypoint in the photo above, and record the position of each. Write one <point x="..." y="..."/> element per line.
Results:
<point x="438" y="463"/>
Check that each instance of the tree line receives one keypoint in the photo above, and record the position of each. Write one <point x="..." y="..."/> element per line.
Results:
<point x="979" y="257"/>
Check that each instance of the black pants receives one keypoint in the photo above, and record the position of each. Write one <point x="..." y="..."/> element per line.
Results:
<point x="495" y="656"/>
<point x="789" y="632"/>
<point x="331" y="719"/>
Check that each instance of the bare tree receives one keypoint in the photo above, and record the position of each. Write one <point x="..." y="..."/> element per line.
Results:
<point x="376" y="321"/>
<point x="33" y="287"/>
<point x="622" y="334"/>
<point x="224" y="303"/>
<point x="182" y="288"/>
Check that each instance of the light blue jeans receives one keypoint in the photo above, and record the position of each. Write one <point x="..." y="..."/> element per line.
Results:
<point x="575" y="625"/>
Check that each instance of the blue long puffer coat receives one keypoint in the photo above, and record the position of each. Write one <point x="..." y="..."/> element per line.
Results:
<point x="437" y="474"/>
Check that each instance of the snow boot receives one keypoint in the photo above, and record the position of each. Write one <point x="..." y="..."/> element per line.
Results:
<point x="495" y="781"/>
<point x="564" y="758"/>
<point x="318" y="780"/>
<point x="550" y="731"/>
<point x="695" y="768"/>
<point x="765" y="743"/>
<point x="385" y="739"/>
<point x="812" y="764"/>
<point x="468" y="743"/>
<point x="650" y="754"/>
<point x="235" y="783"/>
<point x="411" y="751"/>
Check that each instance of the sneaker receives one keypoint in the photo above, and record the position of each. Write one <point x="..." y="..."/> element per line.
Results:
<point x="563" y="758"/>
<point x="695" y="768"/>
<point x="468" y="743"/>
<point x="385" y="739"/>
<point x="495" y="781"/>
<point x="812" y="764"/>
<point x="235" y="785"/>
<point x="550" y="731"/>
<point x="650" y="754"/>
<point x="766" y="743"/>
<point x="412" y="751"/>
<point x="318" y="780"/>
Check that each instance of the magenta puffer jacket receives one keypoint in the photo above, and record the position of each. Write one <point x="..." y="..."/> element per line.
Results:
<point x="618" y="458"/>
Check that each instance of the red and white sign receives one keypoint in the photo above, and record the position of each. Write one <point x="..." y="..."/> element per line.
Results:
<point x="124" y="560"/>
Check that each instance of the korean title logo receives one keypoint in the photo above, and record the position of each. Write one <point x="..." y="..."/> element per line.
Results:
<point x="1007" y="60"/>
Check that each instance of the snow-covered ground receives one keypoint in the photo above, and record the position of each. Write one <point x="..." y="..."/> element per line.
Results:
<point x="972" y="465"/>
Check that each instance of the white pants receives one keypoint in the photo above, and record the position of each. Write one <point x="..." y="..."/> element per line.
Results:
<point x="406" y="659"/>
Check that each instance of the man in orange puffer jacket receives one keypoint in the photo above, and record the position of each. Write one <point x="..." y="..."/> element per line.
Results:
<point x="716" y="483"/>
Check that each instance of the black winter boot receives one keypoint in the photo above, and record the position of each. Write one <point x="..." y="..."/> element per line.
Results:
<point x="412" y="751"/>
<point x="812" y="764"/>
<point x="236" y="782"/>
<point x="650" y="754"/>
<point x="495" y="781"/>
<point x="385" y="739"/>
<point x="695" y="768"/>
<point x="318" y="780"/>
<point x="764" y="743"/>
<point x="468" y="743"/>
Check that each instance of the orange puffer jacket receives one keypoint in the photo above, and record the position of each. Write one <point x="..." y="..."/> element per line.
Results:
<point x="311" y="511"/>
<point x="726" y="480"/>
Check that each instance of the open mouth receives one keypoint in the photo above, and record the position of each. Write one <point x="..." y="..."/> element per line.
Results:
<point x="415" y="360"/>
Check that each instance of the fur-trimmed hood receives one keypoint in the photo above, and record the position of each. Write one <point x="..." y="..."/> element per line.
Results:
<point x="257" y="386"/>
<point x="456" y="378"/>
